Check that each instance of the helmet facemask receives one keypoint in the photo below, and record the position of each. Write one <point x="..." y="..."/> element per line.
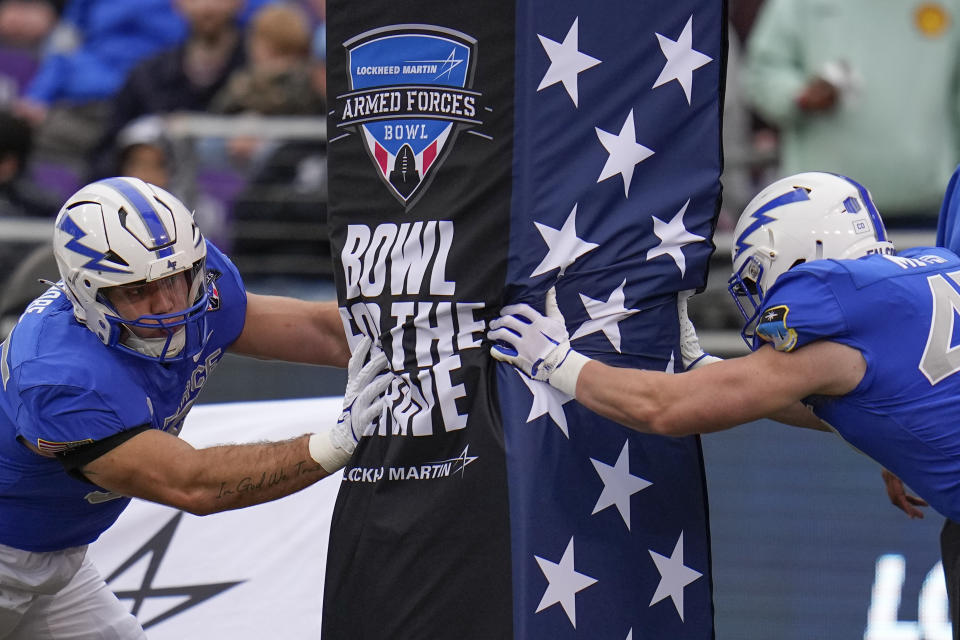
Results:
<point x="165" y="337"/>
<point x="744" y="285"/>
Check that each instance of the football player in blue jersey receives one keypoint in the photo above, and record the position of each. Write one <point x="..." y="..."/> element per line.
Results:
<point x="97" y="377"/>
<point x="846" y="335"/>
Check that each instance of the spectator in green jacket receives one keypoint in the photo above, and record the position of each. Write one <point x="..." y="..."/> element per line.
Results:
<point x="866" y="88"/>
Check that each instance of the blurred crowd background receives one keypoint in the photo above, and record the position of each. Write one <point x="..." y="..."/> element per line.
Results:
<point x="223" y="103"/>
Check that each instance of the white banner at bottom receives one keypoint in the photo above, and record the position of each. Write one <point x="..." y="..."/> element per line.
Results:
<point x="251" y="573"/>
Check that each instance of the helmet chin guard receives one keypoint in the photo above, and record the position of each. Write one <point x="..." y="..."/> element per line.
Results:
<point x="122" y="232"/>
<point x="808" y="216"/>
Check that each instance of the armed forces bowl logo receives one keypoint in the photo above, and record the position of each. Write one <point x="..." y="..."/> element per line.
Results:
<point x="410" y="94"/>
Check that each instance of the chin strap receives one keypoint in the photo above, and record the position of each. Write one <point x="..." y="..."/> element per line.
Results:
<point x="154" y="347"/>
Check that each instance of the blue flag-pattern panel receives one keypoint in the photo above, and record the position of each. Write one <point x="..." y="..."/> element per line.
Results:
<point x="616" y="188"/>
<point x="609" y="527"/>
<point x="617" y="146"/>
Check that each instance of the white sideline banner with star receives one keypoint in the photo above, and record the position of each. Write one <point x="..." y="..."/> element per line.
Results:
<point x="250" y="573"/>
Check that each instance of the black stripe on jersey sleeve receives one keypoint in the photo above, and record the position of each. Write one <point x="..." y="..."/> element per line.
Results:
<point x="75" y="459"/>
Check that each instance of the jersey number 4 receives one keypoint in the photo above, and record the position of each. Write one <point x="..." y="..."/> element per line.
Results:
<point x="941" y="360"/>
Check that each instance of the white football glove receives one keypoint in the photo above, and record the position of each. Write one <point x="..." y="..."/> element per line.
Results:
<point x="537" y="345"/>
<point x="690" y="350"/>
<point x="363" y="401"/>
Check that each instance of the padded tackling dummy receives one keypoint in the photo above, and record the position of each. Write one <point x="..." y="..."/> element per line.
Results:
<point x="479" y="153"/>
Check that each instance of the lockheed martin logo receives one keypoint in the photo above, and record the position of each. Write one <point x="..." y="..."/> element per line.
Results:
<point x="409" y="97"/>
<point x="425" y="471"/>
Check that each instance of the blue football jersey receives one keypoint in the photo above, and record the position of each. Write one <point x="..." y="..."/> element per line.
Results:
<point x="61" y="387"/>
<point x="900" y="312"/>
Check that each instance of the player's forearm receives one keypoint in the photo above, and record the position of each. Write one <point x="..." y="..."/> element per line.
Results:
<point x="234" y="476"/>
<point x="634" y="398"/>
<point x="704" y="400"/>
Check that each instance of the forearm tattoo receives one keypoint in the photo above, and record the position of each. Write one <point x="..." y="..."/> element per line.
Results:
<point x="267" y="480"/>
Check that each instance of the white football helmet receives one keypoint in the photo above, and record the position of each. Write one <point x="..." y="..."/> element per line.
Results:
<point x="808" y="216"/>
<point x="122" y="231"/>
